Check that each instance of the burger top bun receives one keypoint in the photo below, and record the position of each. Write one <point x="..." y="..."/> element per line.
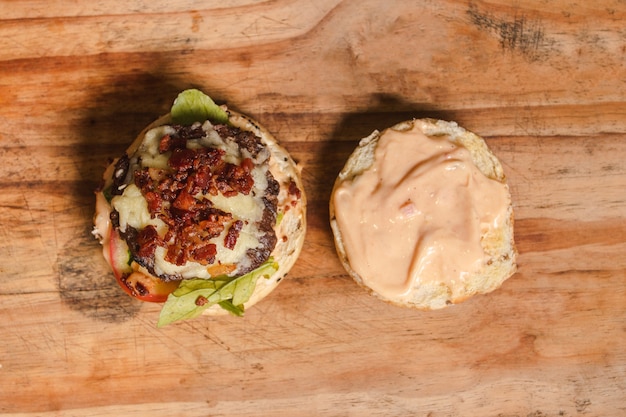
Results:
<point x="422" y="215"/>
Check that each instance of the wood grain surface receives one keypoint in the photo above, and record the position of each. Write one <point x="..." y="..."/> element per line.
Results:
<point x="543" y="81"/>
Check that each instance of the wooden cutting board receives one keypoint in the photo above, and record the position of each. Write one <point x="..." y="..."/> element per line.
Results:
<point x="543" y="82"/>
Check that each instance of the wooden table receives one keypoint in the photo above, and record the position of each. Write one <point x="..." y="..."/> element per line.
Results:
<point x="543" y="82"/>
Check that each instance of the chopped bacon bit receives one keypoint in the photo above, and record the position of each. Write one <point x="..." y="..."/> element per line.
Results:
<point x="201" y="300"/>
<point x="184" y="201"/>
<point x="294" y="190"/>
<point x="205" y="254"/>
<point x="154" y="202"/>
<point x="148" y="239"/>
<point x="182" y="159"/>
<point x="230" y="240"/>
<point x="191" y="232"/>
<point x="165" y="143"/>
<point x="214" y="225"/>
<point x="169" y="142"/>
<point x="202" y="179"/>
<point x="247" y="164"/>
<point x="168" y="188"/>
<point x="176" y="255"/>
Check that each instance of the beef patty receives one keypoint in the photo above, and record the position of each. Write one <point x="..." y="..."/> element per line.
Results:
<point x="196" y="201"/>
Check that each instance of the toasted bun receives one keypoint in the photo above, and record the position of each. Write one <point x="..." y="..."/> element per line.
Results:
<point x="497" y="243"/>
<point x="290" y="231"/>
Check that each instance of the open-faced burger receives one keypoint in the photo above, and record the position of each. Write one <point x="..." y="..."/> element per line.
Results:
<point x="205" y="212"/>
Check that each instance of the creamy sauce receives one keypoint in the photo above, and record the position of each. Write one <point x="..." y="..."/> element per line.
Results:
<point x="417" y="214"/>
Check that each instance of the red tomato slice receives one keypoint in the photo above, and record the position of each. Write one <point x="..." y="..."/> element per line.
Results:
<point x="137" y="284"/>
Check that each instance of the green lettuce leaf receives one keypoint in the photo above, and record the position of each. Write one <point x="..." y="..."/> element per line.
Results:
<point x="231" y="308"/>
<point x="229" y="293"/>
<point x="194" y="106"/>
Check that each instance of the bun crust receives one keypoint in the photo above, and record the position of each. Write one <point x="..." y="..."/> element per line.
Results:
<point x="497" y="242"/>
<point x="290" y="231"/>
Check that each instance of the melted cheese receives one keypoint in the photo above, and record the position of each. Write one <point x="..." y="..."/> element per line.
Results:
<point x="133" y="210"/>
<point x="133" y="207"/>
<point x="149" y="149"/>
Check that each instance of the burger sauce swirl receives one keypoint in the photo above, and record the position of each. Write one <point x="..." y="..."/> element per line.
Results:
<point x="417" y="214"/>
